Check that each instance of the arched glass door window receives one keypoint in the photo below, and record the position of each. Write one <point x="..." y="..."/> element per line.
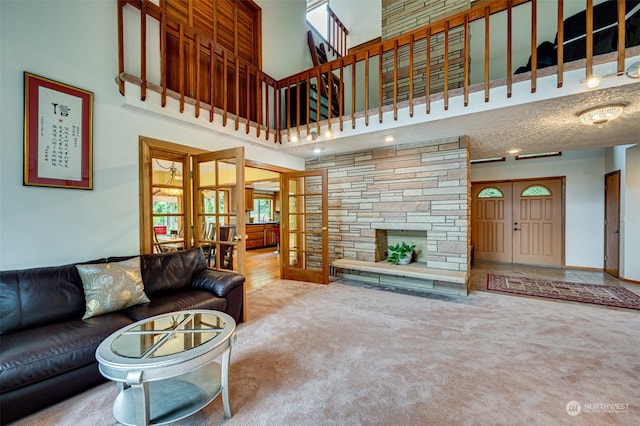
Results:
<point x="490" y="193"/>
<point x="536" y="191"/>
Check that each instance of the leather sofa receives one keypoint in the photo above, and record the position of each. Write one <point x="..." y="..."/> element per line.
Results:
<point x="47" y="351"/>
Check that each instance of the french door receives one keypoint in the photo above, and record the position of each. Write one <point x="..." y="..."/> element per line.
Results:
<point x="518" y="221"/>
<point x="304" y="244"/>
<point x="193" y="198"/>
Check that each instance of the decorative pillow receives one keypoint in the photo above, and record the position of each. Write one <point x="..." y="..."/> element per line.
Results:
<point x="112" y="286"/>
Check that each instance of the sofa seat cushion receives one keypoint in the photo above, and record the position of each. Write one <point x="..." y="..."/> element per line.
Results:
<point x="36" y="354"/>
<point x="177" y="301"/>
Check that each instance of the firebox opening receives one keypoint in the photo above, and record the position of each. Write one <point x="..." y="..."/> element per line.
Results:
<point x="390" y="237"/>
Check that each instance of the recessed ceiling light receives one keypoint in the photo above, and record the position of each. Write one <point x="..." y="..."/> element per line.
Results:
<point x="327" y="133"/>
<point x="389" y="138"/>
<point x="593" y="82"/>
<point x="293" y="138"/>
<point x="634" y="70"/>
<point x="317" y="150"/>
<point x="514" y="151"/>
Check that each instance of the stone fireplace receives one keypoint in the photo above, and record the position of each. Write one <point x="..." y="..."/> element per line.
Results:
<point x="390" y="237"/>
<point x="417" y="193"/>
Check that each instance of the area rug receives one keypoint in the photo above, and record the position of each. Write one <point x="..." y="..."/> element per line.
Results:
<point x="576" y="292"/>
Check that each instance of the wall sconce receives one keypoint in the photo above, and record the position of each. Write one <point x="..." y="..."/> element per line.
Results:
<point x="634" y="70"/>
<point x="312" y="136"/>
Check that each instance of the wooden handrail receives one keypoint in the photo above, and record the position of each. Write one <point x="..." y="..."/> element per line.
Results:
<point x="336" y="33"/>
<point x="255" y="104"/>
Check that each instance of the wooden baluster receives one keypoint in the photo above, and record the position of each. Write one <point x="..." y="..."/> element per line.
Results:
<point x="181" y="65"/>
<point x="163" y="59"/>
<point x="308" y="103"/>
<point x="534" y="45"/>
<point x="329" y="95"/>
<point x="143" y="51"/>
<point x="248" y="87"/>
<point x="298" y="105"/>
<point x="366" y="88"/>
<point x="446" y="66"/>
<point x="589" y="40"/>
<point x="509" y="47"/>
<point x="277" y="93"/>
<point x="258" y="102"/>
<point x="560" y="36"/>
<point x="318" y="103"/>
<point x="427" y="71"/>
<point x="353" y="91"/>
<point x="411" y="39"/>
<point x="621" y="36"/>
<point x="466" y="60"/>
<point x="341" y="93"/>
<point x="236" y="92"/>
<point x="212" y="81"/>
<point x="225" y="88"/>
<point x="288" y="107"/>
<point x="120" y="6"/>
<point x="395" y="79"/>
<point x="380" y="54"/>
<point x="487" y="57"/>
<point x="197" y="43"/>
<point x="266" y="106"/>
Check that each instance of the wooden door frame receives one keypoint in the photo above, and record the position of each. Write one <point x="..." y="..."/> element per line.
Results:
<point x="563" y="201"/>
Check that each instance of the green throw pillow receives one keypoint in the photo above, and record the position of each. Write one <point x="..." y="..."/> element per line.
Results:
<point x="113" y="286"/>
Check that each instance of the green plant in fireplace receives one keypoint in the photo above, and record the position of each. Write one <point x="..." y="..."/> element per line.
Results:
<point x="401" y="253"/>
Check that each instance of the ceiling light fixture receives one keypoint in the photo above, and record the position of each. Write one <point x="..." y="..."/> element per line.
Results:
<point x="593" y="82"/>
<point x="327" y="133"/>
<point x="388" y="138"/>
<point x="312" y="136"/>
<point x="293" y="138"/>
<point x="601" y="114"/>
<point x="634" y="70"/>
<point x="514" y="151"/>
<point x="317" y="150"/>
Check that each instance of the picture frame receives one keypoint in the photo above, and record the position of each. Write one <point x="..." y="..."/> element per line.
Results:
<point x="58" y="134"/>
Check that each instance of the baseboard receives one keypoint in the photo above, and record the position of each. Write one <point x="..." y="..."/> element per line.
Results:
<point x="630" y="281"/>
<point x="583" y="268"/>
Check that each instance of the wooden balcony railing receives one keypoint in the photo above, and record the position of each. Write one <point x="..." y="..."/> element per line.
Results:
<point x="431" y="62"/>
<point x="336" y="33"/>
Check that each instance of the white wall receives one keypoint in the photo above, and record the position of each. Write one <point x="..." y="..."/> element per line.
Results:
<point x="75" y="42"/>
<point x="631" y="216"/>
<point x="363" y="19"/>
<point x="584" y="215"/>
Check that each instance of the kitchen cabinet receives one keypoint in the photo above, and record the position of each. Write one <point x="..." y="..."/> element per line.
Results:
<point x="248" y="199"/>
<point x="260" y="235"/>
<point x="276" y="199"/>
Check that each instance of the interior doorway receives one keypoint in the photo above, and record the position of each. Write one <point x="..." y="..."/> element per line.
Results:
<point x="612" y="223"/>
<point x="519" y="221"/>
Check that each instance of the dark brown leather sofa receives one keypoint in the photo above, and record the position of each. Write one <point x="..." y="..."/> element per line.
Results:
<point x="47" y="351"/>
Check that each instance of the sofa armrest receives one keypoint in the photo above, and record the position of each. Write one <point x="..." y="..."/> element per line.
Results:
<point x="218" y="282"/>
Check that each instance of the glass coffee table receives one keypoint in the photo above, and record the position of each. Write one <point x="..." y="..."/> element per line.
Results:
<point x="166" y="366"/>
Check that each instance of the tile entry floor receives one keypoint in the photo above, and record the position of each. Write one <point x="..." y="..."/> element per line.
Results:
<point x="479" y="272"/>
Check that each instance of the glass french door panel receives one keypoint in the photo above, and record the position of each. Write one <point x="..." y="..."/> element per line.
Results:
<point x="167" y="203"/>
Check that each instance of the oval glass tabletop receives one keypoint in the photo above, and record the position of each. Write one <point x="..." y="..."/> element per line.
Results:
<point x="168" y="335"/>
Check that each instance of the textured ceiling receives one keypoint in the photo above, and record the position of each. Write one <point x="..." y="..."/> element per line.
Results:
<point x="542" y="126"/>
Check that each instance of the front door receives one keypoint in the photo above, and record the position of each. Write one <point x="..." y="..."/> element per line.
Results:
<point x="518" y="221"/>
<point x="537" y="222"/>
<point x="612" y="223"/>
<point x="304" y="241"/>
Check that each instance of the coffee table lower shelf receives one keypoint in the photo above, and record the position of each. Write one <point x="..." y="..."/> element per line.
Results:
<point x="172" y="399"/>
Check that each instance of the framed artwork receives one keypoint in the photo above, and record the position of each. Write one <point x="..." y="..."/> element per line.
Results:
<point x="57" y="134"/>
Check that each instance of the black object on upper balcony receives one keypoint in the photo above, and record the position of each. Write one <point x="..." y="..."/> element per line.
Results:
<point x="605" y="34"/>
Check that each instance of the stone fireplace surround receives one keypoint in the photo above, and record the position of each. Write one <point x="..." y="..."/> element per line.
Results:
<point x="419" y="193"/>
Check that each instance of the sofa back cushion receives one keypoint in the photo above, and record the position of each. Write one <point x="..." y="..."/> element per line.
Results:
<point x="32" y="297"/>
<point x="166" y="272"/>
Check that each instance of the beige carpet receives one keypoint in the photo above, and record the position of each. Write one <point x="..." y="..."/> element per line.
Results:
<point x="346" y="355"/>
